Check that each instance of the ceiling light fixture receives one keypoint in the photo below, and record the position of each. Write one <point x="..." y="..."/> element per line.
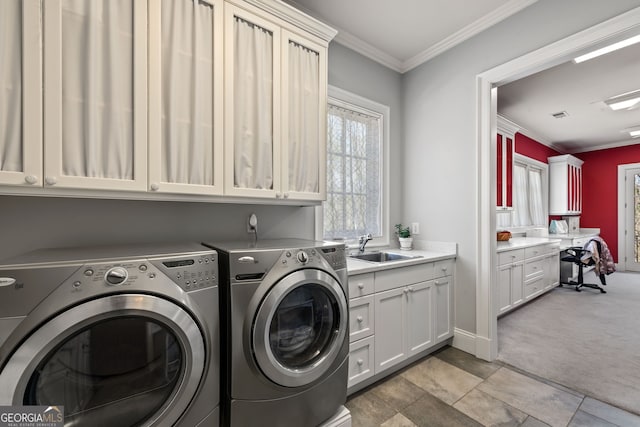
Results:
<point x="626" y="101"/>
<point x="635" y="133"/>
<point x="607" y="49"/>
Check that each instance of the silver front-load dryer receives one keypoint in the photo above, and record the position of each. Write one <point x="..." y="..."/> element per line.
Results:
<point x="118" y="336"/>
<point x="284" y="322"/>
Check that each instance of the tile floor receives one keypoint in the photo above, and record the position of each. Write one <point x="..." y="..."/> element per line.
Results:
<point x="452" y="388"/>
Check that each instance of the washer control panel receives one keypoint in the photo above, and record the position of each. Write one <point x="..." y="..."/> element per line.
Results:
<point x="190" y="272"/>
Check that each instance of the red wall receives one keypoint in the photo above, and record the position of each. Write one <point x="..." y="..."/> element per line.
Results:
<point x="600" y="190"/>
<point x="599" y="183"/>
<point x="533" y="149"/>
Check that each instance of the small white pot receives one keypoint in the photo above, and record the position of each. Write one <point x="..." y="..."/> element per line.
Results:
<point x="406" y="243"/>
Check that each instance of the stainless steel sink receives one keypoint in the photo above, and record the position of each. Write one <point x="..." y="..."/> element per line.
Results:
<point x="382" y="256"/>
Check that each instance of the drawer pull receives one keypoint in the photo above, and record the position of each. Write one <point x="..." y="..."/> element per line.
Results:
<point x="360" y="362"/>
<point x="360" y="285"/>
<point x="359" y="319"/>
<point x="410" y="288"/>
<point x="444" y="268"/>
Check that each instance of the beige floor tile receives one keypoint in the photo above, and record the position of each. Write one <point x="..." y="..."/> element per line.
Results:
<point x="584" y="419"/>
<point x="532" y="422"/>
<point x="610" y="413"/>
<point x="398" y="420"/>
<point x="544" y="402"/>
<point x="429" y="411"/>
<point x="441" y="379"/>
<point x="465" y="361"/>
<point x="367" y="410"/>
<point x="489" y="411"/>
<point x="397" y="392"/>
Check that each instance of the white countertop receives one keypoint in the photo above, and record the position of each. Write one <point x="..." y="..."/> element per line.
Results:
<point x="525" y="242"/>
<point x="356" y="266"/>
<point x="583" y="232"/>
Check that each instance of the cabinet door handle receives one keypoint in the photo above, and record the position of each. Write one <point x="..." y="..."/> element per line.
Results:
<point x="405" y="290"/>
<point x="51" y="180"/>
<point x="155" y="186"/>
<point x="360" y="362"/>
<point x="360" y="285"/>
<point x="359" y="319"/>
<point x="278" y="195"/>
<point x="31" y="179"/>
<point x="410" y="288"/>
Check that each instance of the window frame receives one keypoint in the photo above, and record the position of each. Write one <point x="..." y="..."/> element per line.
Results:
<point x="528" y="162"/>
<point x="346" y="99"/>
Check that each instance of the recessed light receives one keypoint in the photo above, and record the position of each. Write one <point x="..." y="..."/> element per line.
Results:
<point x="626" y="101"/>
<point x="607" y="49"/>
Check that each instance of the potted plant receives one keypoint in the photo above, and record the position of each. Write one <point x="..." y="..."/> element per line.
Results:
<point x="404" y="236"/>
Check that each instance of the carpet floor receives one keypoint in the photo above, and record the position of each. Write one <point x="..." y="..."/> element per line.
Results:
<point x="586" y="341"/>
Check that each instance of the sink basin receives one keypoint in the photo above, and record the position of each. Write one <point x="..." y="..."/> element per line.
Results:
<point x="382" y="256"/>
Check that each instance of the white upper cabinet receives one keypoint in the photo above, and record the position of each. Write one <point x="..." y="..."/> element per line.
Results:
<point x="163" y="97"/>
<point x="21" y="100"/>
<point x="304" y="115"/>
<point x="252" y="104"/>
<point x="275" y="108"/>
<point x="565" y="185"/>
<point x="95" y="94"/>
<point x="186" y="96"/>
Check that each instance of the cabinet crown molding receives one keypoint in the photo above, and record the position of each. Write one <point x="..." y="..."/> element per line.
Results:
<point x="506" y="126"/>
<point x="295" y="17"/>
<point x="566" y="158"/>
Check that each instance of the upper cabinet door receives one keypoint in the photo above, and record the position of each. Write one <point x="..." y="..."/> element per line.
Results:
<point x="186" y="96"/>
<point x="21" y="99"/>
<point x="95" y="94"/>
<point x="304" y="115"/>
<point x="252" y="105"/>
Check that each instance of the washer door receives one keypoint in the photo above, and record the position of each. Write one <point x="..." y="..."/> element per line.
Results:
<point x="122" y="360"/>
<point x="300" y="328"/>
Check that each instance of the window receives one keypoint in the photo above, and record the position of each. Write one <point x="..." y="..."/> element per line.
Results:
<point x="356" y="201"/>
<point x="530" y="179"/>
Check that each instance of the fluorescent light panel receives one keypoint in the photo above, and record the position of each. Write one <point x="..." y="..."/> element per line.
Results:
<point x="626" y="101"/>
<point x="634" y="133"/>
<point x="607" y="49"/>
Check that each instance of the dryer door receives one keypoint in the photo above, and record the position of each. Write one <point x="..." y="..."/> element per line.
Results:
<point x="121" y="360"/>
<point x="300" y="328"/>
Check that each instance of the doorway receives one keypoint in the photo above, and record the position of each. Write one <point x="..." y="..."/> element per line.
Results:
<point x="486" y="339"/>
<point x="629" y="217"/>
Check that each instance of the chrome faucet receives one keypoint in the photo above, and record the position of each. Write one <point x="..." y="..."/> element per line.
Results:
<point x="362" y="241"/>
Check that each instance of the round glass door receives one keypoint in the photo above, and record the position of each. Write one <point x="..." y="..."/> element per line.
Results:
<point x="122" y="360"/>
<point x="300" y="328"/>
<point x="122" y="370"/>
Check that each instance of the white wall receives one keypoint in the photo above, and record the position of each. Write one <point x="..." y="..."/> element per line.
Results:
<point x="28" y="223"/>
<point x="440" y="126"/>
<point x="357" y="74"/>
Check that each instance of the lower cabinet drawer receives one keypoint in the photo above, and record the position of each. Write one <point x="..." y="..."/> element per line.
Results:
<point x="361" y="363"/>
<point x="533" y="288"/>
<point x="533" y="269"/>
<point x="361" y="321"/>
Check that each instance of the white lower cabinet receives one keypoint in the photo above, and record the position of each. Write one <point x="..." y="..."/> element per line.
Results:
<point x="524" y="274"/>
<point x="412" y="311"/>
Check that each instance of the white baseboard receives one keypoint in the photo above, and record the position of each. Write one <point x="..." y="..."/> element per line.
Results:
<point x="464" y="340"/>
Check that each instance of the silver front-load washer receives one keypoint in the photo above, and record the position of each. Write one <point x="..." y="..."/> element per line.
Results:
<point x="118" y="336"/>
<point x="284" y="323"/>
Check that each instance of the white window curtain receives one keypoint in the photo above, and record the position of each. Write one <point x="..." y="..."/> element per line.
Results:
<point x="97" y="88"/>
<point x="253" y="106"/>
<point x="536" y="207"/>
<point x="353" y="205"/>
<point x="303" y="118"/>
<point x="11" y="85"/>
<point x="520" y="196"/>
<point x="187" y="92"/>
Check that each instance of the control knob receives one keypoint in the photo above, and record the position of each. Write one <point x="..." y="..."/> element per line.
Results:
<point x="116" y="276"/>
<point x="302" y="257"/>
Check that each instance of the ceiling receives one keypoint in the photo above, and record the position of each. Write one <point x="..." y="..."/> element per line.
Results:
<point x="386" y="33"/>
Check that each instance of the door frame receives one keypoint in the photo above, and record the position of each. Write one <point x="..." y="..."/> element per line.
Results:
<point x="486" y="337"/>
<point x="622" y="214"/>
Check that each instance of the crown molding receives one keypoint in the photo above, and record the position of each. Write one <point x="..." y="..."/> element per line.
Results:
<point x="488" y="20"/>
<point x="354" y="43"/>
<point x="625" y="143"/>
<point x="296" y="17"/>
<point x="506" y="126"/>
